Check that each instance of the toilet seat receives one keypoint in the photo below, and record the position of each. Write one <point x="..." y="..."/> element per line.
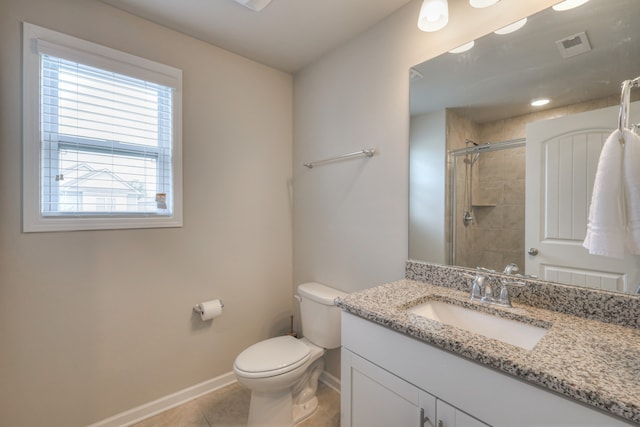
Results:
<point x="272" y="357"/>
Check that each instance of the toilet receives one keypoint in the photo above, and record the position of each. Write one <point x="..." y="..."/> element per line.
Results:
<point x="282" y="373"/>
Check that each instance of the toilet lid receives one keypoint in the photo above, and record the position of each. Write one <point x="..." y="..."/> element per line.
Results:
<point x="273" y="356"/>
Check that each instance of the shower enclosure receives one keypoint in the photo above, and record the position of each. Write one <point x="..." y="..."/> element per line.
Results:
<point x="487" y="196"/>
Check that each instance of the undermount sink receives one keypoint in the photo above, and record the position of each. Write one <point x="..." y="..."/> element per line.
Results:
<point x="510" y="331"/>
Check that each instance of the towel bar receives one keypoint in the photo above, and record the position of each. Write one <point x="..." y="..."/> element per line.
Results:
<point x="366" y="152"/>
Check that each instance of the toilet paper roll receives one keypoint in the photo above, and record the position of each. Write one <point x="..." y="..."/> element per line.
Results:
<point x="210" y="309"/>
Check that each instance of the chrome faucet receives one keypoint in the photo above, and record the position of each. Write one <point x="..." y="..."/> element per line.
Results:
<point x="482" y="288"/>
<point x="479" y="284"/>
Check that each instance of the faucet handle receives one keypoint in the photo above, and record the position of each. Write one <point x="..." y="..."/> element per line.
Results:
<point x="503" y="297"/>
<point x="478" y="287"/>
<point x="486" y="290"/>
<point x="511" y="268"/>
<point x="462" y="273"/>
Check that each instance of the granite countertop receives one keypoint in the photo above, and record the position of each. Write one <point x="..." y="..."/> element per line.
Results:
<point x="588" y="360"/>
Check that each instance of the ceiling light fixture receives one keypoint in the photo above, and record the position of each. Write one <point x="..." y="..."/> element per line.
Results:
<point x="568" y="4"/>
<point x="540" y="102"/>
<point x="465" y="47"/>
<point x="434" y="15"/>
<point x="511" y="27"/>
<point x="482" y="3"/>
<point x="255" y="5"/>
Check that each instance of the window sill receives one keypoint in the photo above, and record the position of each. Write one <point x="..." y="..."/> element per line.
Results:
<point x="48" y="224"/>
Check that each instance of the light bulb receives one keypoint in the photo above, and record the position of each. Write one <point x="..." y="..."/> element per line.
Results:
<point x="482" y="3"/>
<point x="465" y="47"/>
<point x="433" y="11"/>
<point x="511" y="27"/>
<point x="434" y="15"/>
<point x="568" y="4"/>
<point x="540" y="102"/>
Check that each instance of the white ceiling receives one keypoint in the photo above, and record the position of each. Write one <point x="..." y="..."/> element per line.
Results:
<point x="286" y="35"/>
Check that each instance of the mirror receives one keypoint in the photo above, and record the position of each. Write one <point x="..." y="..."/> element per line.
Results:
<point x="577" y="58"/>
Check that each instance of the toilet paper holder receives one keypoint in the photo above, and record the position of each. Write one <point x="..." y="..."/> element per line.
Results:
<point x="199" y="310"/>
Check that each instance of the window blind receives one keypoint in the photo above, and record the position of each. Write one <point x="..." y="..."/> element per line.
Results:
<point x="106" y="142"/>
<point x="103" y="58"/>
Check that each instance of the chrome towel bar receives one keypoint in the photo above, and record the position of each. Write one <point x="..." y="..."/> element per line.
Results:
<point x="366" y="152"/>
<point x="625" y="104"/>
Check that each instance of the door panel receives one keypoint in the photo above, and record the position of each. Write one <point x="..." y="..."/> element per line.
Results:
<point x="380" y="399"/>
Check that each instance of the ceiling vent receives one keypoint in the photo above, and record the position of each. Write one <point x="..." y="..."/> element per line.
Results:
<point x="574" y="45"/>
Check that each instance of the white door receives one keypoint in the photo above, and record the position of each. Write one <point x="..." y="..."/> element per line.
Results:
<point x="562" y="158"/>
<point x="372" y="397"/>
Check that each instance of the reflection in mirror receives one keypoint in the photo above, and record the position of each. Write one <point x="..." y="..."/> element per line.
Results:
<point x="465" y="105"/>
<point x="488" y="187"/>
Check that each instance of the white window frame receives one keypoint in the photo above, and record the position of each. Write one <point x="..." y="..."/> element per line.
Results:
<point x="102" y="57"/>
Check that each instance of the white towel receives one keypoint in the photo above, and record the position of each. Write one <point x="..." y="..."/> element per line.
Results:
<point x="613" y="228"/>
<point x="632" y="191"/>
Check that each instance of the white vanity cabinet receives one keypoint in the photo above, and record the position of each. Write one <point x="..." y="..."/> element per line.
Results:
<point x="380" y="399"/>
<point x="387" y="377"/>
<point x="448" y="416"/>
<point x="377" y="398"/>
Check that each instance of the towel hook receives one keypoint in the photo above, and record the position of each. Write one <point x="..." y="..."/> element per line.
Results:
<point x="623" y="115"/>
<point x="625" y="105"/>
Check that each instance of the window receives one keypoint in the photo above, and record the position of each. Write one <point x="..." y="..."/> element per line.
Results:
<point x="101" y="137"/>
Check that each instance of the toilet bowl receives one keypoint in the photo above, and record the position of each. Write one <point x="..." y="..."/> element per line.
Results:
<point x="282" y="372"/>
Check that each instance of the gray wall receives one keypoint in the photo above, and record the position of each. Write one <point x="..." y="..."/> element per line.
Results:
<point x="351" y="218"/>
<point x="95" y="323"/>
<point x="427" y="199"/>
<point x="88" y="330"/>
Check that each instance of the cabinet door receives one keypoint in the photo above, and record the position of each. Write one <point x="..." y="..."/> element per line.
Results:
<point x="448" y="416"/>
<point x="372" y="397"/>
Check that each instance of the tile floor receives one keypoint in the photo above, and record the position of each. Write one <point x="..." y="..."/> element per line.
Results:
<point x="229" y="407"/>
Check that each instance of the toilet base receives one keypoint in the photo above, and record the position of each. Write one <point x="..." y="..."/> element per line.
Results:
<point x="270" y="410"/>
<point x="276" y="411"/>
<point x="287" y="406"/>
<point x="305" y="410"/>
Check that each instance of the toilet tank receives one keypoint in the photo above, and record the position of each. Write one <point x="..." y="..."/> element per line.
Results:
<point x="320" y="317"/>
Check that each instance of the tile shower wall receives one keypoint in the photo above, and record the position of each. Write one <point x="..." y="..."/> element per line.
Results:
<point x="496" y="238"/>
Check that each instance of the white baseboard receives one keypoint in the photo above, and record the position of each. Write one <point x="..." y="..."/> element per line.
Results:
<point x="147" y="410"/>
<point x="150" y="409"/>
<point x="330" y="381"/>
